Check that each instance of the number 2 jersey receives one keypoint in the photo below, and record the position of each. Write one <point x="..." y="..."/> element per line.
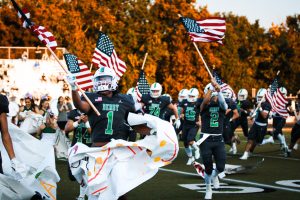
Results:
<point x="155" y="106"/>
<point x="212" y="118"/>
<point x="113" y="114"/>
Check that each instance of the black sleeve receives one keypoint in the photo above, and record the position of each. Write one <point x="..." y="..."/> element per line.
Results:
<point x="266" y="106"/>
<point x="3" y="104"/>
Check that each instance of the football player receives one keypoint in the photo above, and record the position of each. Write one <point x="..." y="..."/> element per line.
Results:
<point x="182" y="95"/>
<point x="230" y="116"/>
<point x="212" y="112"/>
<point x="295" y="133"/>
<point x="79" y="124"/>
<point x="244" y="109"/>
<point x="278" y="124"/>
<point x="154" y="103"/>
<point x="259" y="127"/>
<point x="191" y="109"/>
<point x="113" y="107"/>
<point x="167" y="113"/>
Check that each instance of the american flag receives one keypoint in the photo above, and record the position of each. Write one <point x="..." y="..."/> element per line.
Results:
<point x="223" y="85"/>
<point x="84" y="77"/>
<point x="142" y="87"/>
<point x="206" y="30"/>
<point x="105" y="55"/>
<point x="277" y="99"/>
<point x="41" y="32"/>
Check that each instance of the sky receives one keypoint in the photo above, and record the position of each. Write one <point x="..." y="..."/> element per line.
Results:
<point x="266" y="11"/>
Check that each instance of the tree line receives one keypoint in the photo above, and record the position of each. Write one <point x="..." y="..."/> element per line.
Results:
<point x="249" y="58"/>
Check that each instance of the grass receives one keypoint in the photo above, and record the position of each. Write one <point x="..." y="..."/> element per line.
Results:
<point x="165" y="185"/>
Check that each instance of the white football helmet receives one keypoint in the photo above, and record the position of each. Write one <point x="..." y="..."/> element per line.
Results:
<point x="155" y="90"/>
<point x="260" y="94"/>
<point x="283" y="91"/>
<point x="167" y="95"/>
<point x="183" y="94"/>
<point x="105" y="80"/>
<point x="131" y="91"/>
<point x="227" y="94"/>
<point x="242" y="94"/>
<point x="193" y="95"/>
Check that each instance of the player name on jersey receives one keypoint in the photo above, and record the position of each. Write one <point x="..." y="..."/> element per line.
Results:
<point x="110" y="107"/>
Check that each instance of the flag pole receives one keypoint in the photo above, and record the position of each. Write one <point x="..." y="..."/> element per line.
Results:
<point x="91" y="67"/>
<point x="79" y="88"/>
<point x="262" y="100"/>
<point x="144" y="60"/>
<point x="203" y="60"/>
<point x="16" y="6"/>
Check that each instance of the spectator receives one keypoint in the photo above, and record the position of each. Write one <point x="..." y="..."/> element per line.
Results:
<point x="48" y="129"/>
<point x="63" y="108"/>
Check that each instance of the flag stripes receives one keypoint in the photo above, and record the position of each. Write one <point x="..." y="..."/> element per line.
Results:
<point x="41" y="32"/>
<point x="45" y="36"/>
<point x="105" y="55"/>
<point x="223" y="85"/>
<point x="278" y="102"/>
<point x="84" y="77"/>
<point x="206" y="30"/>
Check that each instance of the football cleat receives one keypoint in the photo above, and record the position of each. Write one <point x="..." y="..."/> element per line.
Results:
<point x="245" y="156"/>
<point x="215" y="179"/>
<point x="190" y="160"/>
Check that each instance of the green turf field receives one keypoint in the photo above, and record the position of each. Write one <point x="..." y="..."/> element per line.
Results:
<point x="182" y="182"/>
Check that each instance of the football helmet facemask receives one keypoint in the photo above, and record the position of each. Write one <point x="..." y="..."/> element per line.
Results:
<point x="227" y="94"/>
<point x="155" y="90"/>
<point x="242" y="94"/>
<point x="183" y="94"/>
<point x="105" y="80"/>
<point x="193" y="95"/>
<point x="260" y="94"/>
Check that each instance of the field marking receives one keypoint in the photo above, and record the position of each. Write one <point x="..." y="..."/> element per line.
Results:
<point x="262" y="156"/>
<point x="234" y="180"/>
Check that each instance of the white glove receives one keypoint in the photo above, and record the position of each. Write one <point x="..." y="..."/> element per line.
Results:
<point x="20" y="170"/>
<point x="177" y="123"/>
<point x="71" y="78"/>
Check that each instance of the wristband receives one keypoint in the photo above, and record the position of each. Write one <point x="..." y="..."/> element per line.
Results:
<point x="75" y="124"/>
<point x="87" y="124"/>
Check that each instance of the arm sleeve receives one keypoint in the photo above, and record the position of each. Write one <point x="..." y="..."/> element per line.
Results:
<point x="3" y="104"/>
<point x="222" y="102"/>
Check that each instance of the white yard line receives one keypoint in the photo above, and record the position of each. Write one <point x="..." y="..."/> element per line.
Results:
<point x="235" y="181"/>
<point x="264" y="156"/>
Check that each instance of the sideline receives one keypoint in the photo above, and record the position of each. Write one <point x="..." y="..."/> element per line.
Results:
<point x="235" y="181"/>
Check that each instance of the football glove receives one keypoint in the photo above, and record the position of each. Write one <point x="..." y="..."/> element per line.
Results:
<point x="71" y="78"/>
<point x="177" y="123"/>
<point x="20" y="170"/>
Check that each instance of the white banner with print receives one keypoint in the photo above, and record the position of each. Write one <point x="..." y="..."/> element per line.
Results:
<point x="39" y="157"/>
<point x="118" y="167"/>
